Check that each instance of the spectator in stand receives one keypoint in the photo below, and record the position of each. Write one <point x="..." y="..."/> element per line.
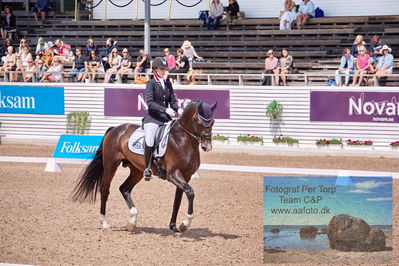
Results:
<point x="285" y="63"/>
<point x="385" y="64"/>
<point x="93" y="65"/>
<point x="41" y="47"/>
<point x="23" y="61"/>
<point x="40" y="70"/>
<point x="42" y="7"/>
<point x="114" y="62"/>
<point x="271" y="66"/>
<point x="357" y="44"/>
<point x="170" y="59"/>
<point x="6" y="43"/>
<point x="305" y="12"/>
<point x="23" y="43"/>
<point x="54" y="73"/>
<point x="90" y="46"/>
<point x="10" y="63"/>
<point x="78" y="66"/>
<point x="215" y="15"/>
<point x="143" y="63"/>
<point x="8" y="22"/>
<point x="126" y="65"/>
<point x="182" y="64"/>
<point x="363" y="66"/>
<point x="288" y="15"/>
<point x="376" y="47"/>
<point x="62" y="51"/>
<point x="347" y="67"/>
<point x="110" y="44"/>
<point x="189" y="51"/>
<point x="30" y="71"/>
<point x="231" y="13"/>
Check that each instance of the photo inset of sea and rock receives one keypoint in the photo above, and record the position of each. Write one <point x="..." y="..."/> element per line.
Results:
<point x="327" y="220"/>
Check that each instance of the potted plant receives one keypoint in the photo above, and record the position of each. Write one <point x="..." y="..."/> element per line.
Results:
<point x="280" y="139"/>
<point x="220" y="139"/>
<point x="329" y="143"/>
<point x="359" y="144"/>
<point x="77" y="122"/>
<point x="274" y="110"/>
<point x="250" y="140"/>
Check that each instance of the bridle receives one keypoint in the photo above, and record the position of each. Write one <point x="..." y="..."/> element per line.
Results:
<point x="200" y="138"/>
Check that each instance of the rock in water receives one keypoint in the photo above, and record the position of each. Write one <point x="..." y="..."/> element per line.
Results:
<point x="308" y="232"/>
<point x="347" y="233"/>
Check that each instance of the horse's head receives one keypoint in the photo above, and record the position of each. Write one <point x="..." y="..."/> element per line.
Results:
<point x="204" y="124"/>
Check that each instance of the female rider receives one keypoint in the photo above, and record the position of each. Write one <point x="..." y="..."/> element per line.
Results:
<point x="162" y="107"/>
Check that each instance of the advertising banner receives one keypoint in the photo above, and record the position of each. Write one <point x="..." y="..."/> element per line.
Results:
<point x="131" y="102"/>
<point x="77" y="146"/>
<point x="350" y="106"/>
<point x="32" y="100"/>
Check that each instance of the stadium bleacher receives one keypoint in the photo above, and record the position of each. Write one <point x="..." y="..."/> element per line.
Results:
<point x="316" y="49"/>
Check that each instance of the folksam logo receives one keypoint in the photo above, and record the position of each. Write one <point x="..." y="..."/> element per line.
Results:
<point x="77" y="146"/>
<point x="32" y="100"/>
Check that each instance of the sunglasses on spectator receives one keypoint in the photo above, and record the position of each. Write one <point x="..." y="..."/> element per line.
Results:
<point x="270" y="54"/>
<point x="23" y="42"/>
<point x="166" y="52"/>
<point x="124" y="52"/>
<point x="40" y="63"/>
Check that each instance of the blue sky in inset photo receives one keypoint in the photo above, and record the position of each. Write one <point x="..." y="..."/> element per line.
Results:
<point x="315" y="200"/>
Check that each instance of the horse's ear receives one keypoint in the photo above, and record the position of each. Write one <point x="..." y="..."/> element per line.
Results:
<point x="213" y="106"/>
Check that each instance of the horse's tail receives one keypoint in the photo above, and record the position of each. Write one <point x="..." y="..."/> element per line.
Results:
<point x="90" y="181"/>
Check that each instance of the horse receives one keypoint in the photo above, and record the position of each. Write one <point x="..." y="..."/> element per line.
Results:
<point x="181" y="160"/>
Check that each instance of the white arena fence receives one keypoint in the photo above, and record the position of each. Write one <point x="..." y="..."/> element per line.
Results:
<point x="247" y="114"/>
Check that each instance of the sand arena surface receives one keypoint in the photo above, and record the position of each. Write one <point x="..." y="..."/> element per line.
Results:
<point x="39" y="224"/>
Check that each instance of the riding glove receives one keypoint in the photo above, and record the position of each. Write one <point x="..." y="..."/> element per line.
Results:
<point x="180" y="111"/>
<point x="170" y="112"/>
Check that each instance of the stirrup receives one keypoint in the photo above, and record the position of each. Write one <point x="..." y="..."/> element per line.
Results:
<point x="147" y="174"/>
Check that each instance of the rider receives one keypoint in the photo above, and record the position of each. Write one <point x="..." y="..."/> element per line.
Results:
<point x="162" y="107"/>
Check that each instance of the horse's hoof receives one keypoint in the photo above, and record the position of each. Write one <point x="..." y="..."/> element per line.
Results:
<point x="105" y="225"/>
<point x="131" y="227"/>
<point x="183" y="228"/>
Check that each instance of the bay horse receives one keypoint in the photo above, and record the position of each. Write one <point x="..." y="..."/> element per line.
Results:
<point x="181" y="160"/>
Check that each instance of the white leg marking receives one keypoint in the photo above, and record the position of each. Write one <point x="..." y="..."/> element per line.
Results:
<point x="186" y="223"/>
<point x="133" y="216"/>
<point x="104" y="222"/>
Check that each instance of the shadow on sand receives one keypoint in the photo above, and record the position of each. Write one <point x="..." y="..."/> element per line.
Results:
<point x="197" y="234"/>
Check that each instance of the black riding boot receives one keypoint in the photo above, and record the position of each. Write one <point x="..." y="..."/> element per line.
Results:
<point x="147" y="157"/>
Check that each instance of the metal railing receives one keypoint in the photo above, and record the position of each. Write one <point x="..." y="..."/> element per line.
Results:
<point x="303" y="79"/>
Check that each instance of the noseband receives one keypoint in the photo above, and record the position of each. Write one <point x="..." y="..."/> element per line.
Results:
<point x="200" y="138"/>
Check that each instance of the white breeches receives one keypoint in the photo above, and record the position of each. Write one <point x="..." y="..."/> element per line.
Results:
<point x="150" y="129"/>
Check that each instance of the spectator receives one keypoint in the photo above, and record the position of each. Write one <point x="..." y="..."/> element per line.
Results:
<point x="357" y="44"/>
<point x="10" y="63"/>
<point x="110" y="44"/>
<point x="7" y="42"/>
<point x="78" y="66"/>
<point x="42" y="7"/>
<point x="143" y="63"/>
<point x="61" y="50"/>
<point x="347" y="67"/>
<point x="40" y="69"/>
<point x="182" y="64"/>
<point x="41" y="47"/>
<point x="54" y="73"/>
<point x="288" y="15"/>
<point x="306" y="11"/>
<point x="271" y="66"/>
<point x="90" y="46"/>
<point x="23" y="43"/>
<point x="114" y="62"/>
<point x="30" y="71"/>
<point x="23" y="61"/>
<point x="285" y="63"/>
<point x="8" y="22"/>
<point x="215" y="15"/>
<point x="385" y="64"/>
<point x="170" y="59"/>
<point x="126" y="65"/>
<point x="376" y="47"/>
<point x="93" y="65"/>
<point x="189" y="51"/>
<point x="363" y="66"/>
<point x="231" y="13"/>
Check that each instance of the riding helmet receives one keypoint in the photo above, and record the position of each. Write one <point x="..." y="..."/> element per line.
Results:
<point x="159" y="62"/>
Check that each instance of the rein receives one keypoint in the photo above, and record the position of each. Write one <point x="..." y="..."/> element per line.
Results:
<point x="198" y="137"/>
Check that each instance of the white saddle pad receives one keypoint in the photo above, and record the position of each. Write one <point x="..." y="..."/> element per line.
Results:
<point x="136" y="141"/>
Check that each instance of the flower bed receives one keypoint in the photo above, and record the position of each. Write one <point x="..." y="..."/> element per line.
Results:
<point x="220" y="137"/>
<point x="281" y="139"/>
<point x="250" y="139"/>
<point x="323" y="142"/>
<point x="359" y="142"/>
<point x="394" y="144"/>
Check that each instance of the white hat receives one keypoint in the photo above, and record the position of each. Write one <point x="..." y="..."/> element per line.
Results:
<point x="186" y="44"/>
<point x="385" y="47"/>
